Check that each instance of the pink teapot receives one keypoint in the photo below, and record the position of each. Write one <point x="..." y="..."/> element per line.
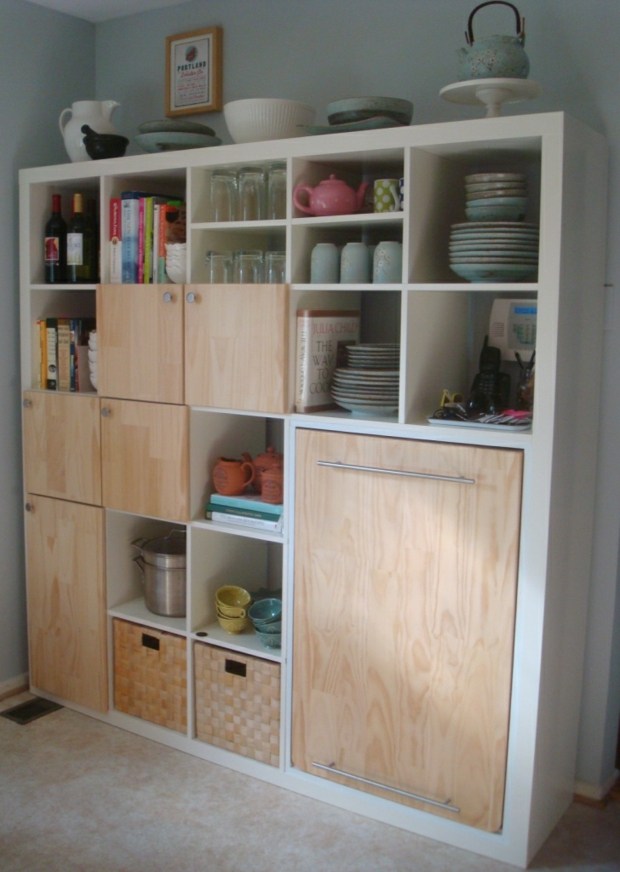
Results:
<point x="332" y="196"/>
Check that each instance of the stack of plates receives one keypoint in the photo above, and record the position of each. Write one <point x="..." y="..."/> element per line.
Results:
<point x="170" y="135"/>
<point x="496" y="196"/>
<point x="494" y="250"/>
<point x="368" y="385"/>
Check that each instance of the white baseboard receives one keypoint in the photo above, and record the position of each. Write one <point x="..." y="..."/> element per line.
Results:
<point x="596" y="792"/>
<point x="14" y="685"/>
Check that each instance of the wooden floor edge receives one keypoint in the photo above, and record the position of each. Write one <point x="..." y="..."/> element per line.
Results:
<point x="612" y="795"/>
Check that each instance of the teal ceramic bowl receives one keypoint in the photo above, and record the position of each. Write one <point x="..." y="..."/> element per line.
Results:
<point x="495" y="212"/>
<point x="270" y="640"/>
<point x="362" y="108"/>
<point x="265" y="611"/>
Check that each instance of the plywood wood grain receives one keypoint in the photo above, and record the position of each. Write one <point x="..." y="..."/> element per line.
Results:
<point x="66" y="601"/>
<point x="404" y="611"/>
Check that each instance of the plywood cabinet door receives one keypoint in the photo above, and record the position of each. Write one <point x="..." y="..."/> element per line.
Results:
<point x="62" y="446"/>
<point x="145" y="458"/>
<point x="140" y="342"/>
<point x="236" y="347"/>
<point x="66" y="601"/>
<point x="404" y="607"/>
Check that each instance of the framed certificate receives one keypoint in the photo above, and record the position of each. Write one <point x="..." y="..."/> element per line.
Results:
<point x="194" y="72"/>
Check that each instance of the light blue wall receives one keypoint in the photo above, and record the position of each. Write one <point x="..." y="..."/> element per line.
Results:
<point x="317" y="51"/>
<point x="44" y="59"/>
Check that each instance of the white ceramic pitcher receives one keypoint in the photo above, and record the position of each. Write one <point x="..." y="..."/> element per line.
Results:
<point x="95" y="113"/>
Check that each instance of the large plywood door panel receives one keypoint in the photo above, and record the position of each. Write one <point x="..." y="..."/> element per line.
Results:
<point x="62" y="446"/>
<point x="404" y="606"/>
<point x="140" y="342"/>
<point x="236" y="347"/>
<point x="66" y="601"/>
<point x="145" y="458"/>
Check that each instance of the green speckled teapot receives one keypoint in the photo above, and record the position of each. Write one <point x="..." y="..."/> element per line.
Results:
<point x="494" y="57"/>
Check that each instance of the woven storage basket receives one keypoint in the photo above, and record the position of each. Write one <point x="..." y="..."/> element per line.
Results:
<point x="238" y="702"/>
<point x="150" y="675"/>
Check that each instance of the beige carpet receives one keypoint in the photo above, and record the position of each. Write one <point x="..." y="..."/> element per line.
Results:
<point x="76" y="794"/>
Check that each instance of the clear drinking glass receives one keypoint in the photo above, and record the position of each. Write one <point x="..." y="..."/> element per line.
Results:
<point x="276" y="191"/>
<point x="251" y="194"/>
<point x="275" y="267"/>
<point x="219" y="267"/>
<point x="223" y="195"/>
<point x="248" y="266"/>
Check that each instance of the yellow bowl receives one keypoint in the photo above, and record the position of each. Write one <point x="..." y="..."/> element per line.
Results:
<point x="232" y="601"/>
<point x="232" y="625"/>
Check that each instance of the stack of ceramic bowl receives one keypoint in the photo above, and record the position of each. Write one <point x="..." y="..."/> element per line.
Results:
<point x="231" y="604"/>
<point x="496" y="196"/>
<point x="266" y="617"/>
<point x="365" y="113"/>
<point x="368" y="385"/>
<point x="171" y="134"/>
<point x="92" y="358"/>
<point x="495" y="243"/>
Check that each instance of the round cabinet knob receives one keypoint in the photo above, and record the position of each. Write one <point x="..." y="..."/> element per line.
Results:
<point x="167" y="297"/>
<point x="106" y="411"/>
<point x="27" y="404"/>
<point x="29" y="507"/>
<point x="190" y="297"/>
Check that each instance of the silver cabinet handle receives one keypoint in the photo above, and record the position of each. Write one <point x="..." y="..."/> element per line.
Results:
<point x="190" y="297"/>
<point x="27" y="403"/>
<point x="445" y="803"/>
<point x="336" y="464"/>
<point x="106" y="411"/>
<point x="167" y="297"/>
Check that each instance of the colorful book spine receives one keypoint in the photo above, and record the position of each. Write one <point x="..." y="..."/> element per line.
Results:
<point x="130" y="220"/>
<point x="51" y="372"/>
<point x="141" y="238"/>
<point x="116" y="241"/>
<point x="42" y="352"/>
<point x="322" y="336"/>
<point x="63" y="354"/>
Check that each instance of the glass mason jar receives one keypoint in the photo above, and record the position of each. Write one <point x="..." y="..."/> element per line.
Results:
<point x="219" y="267"/>
<point x="251" y="194"/>
<point x="248" y="266"/>
<point x="223" y="195"/>
<point x="275" y="267"/>
<point x="276" y="191"/>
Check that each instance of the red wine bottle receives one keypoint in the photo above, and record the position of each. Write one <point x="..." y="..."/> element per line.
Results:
<point x="77" y="266"/>
<point x="55" y="245"/>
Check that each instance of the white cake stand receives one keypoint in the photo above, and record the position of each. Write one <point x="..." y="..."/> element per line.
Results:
<point x="491" y="93"/>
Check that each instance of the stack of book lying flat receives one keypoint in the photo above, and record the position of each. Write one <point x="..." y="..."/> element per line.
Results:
<point x="247" y="510"/>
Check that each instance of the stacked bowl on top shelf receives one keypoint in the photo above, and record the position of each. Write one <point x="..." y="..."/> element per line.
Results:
<point x="495" y="243"/>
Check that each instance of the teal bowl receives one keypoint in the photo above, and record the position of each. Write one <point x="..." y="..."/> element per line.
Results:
<point x="495" y="213"/>
<point x="265" y="611"/>
<point x="270" y="640"/>
<point x="273" y="627"/>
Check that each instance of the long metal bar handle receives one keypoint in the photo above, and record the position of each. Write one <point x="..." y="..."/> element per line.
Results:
<point x="336" y="464"/>
<point x="447" y="804"/>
